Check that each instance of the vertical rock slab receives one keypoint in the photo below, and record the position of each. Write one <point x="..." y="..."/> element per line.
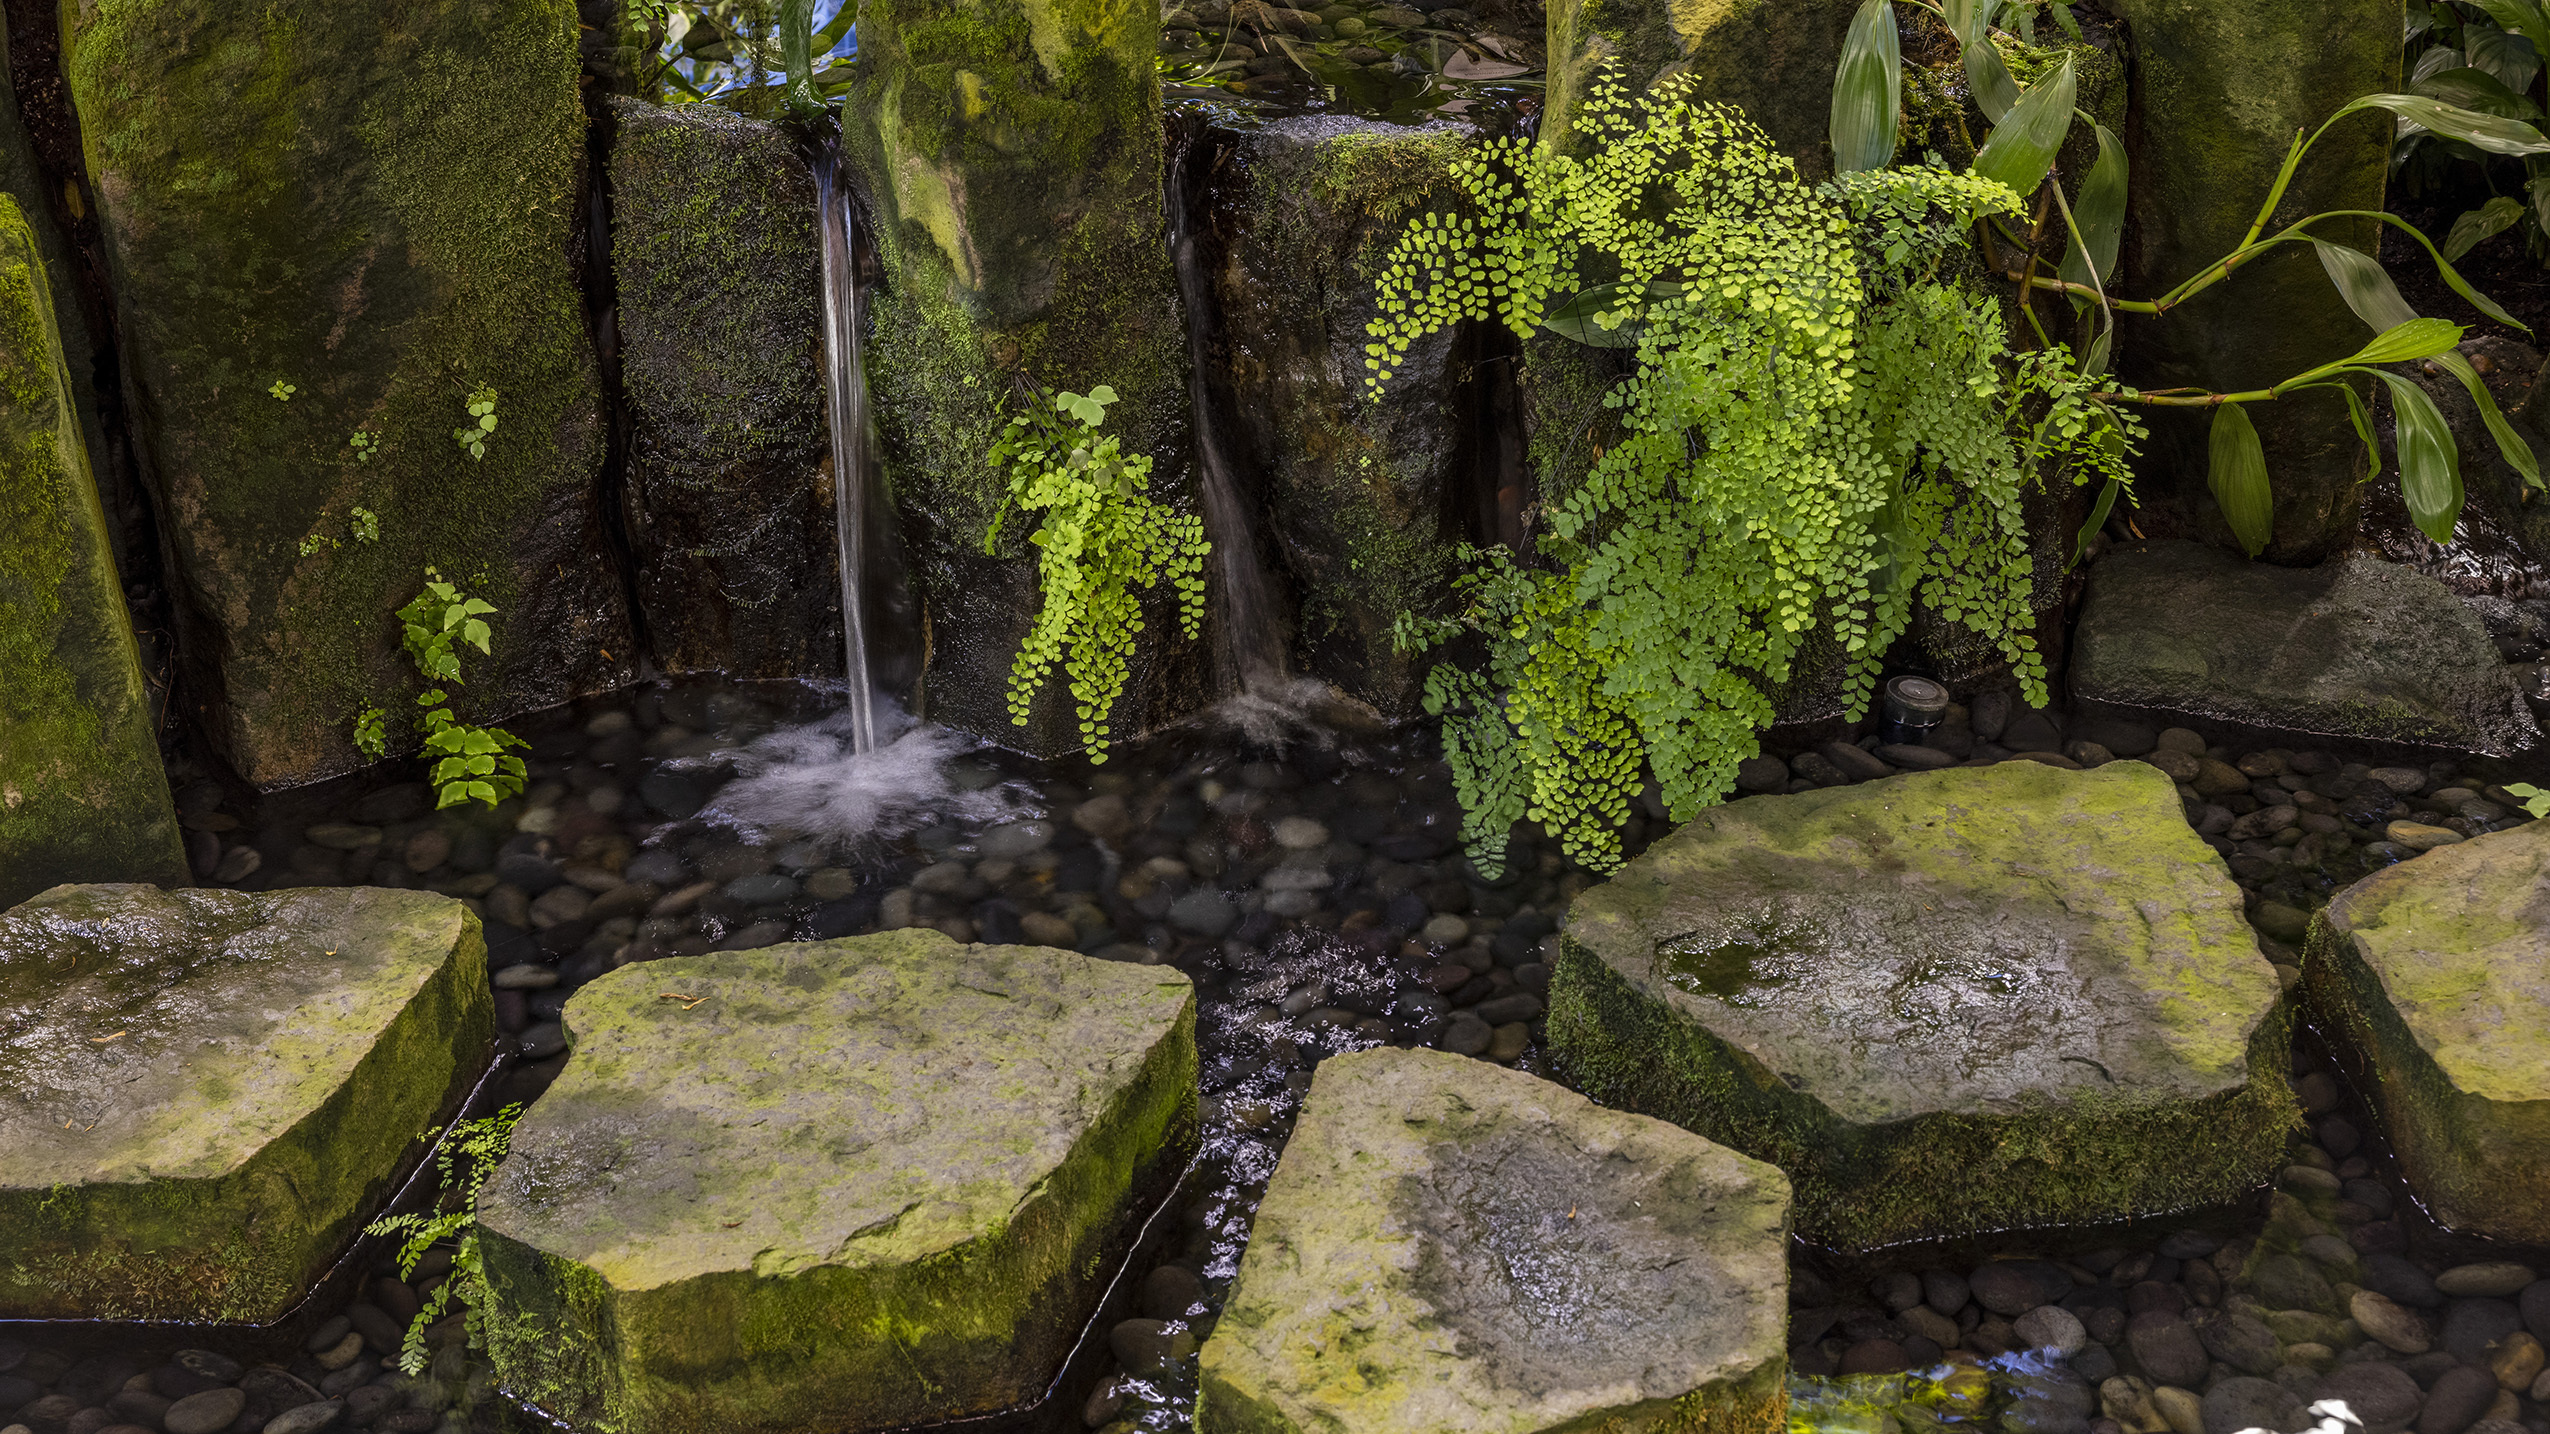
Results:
<point x="727" y="495"/>
<point x="2434" y="976"/>
<point x="211" y="1090"/>
<point x="378" y="210"/>
<point x="2219" y="91"/>
<point x="1011" y="153"/>
<point x="82" y="794"/>
<point x="1364" y="500"/>
<point x="1775" y="61"/>
<point x="1452" y="1246"/>
<point x="841" y="1185"/>
<point x="1978" y="999"/>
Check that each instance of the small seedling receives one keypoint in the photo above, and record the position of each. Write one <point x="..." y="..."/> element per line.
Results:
<point x="282" y="391"/>
<point x="367" y="526"/>
<point x="365" y="443"/>
<point x="472" y="435"/>
<point x="2536" y="802"/>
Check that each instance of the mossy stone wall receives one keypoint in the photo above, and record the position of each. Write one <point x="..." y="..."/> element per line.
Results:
<point x="1772" y="58"/>
<point x="1011" y="153"/>
<point x="82" y="794"/>
<point x="377" y="206"/>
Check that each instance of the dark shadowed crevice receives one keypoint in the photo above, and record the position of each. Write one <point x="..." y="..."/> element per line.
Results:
<point x="589" y="257"/>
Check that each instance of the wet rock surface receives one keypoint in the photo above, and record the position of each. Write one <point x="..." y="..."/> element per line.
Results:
<point x="1399" y="62"/>
<point x="210" y="1090"/>
<point x="1450" y="1246"/>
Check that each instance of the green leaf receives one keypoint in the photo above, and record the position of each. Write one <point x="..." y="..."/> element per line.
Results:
<point x="2429" y="463"/>
<point x="2238" y="477"/>
<point x="1989" y="77"/>
<point x="2099" y="215"/>
<point x="2488" y="220"/>
<point x="1867" y="91"/>
<point x="1969" y="19"/>
<point x="2507" y="55"/>
<point x="2022" y="147"/>
<point x="2511" y="445"/>
<point x="2493" y="133"/>
<point x="2365" y="285"/>
<point x="1577" y="318"/>
<point x="2098" y="520"/>
<point x="2477" y="91"/>
<point x="2405" y="342"/>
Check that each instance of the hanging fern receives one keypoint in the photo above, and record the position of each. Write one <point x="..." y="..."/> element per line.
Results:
<point x="1101" y="537"/>
<point x="1819" y="429"/>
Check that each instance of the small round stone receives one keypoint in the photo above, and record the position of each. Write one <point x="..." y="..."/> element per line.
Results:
<point x="1300" y="834"/>
<point x="209" y="1412"/>
<point x="2052" y="1327"/>
<point x="1444" y="930"/>
<point x="527" y="976"/>
<point x="2494" y="1279"/>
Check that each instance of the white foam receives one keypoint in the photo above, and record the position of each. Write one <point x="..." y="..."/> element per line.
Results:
<point x="810" y="782"/>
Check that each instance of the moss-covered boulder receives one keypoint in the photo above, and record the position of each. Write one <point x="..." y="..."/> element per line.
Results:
<point x="1011" y="154"/>
<point x="842" y="1185"/>
<point x="1948" y="1002"/>
<point x="1450" y="1245"/>
<point x="728" y="496"/>
<point x="2435" y="976"/>
<point x="210" y="1091"/>
<point x="82" y="794"/>
<point x="2355" y="648"/>
<point x="379" y="214"/>
<point x="1774" y="61"/>
<point x="2220" y="91"/>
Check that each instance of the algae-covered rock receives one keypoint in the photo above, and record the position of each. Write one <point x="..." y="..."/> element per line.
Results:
<point x="728" y="494"/>
<point x="839" y="1185"/>
<point x="1773" y="60"/>
<point x="1011" y="154"/>
<point x="1946" y="1002"/>
<point x="210" y="1090"/>
<point x="378" y="214"/>
<point x="82" y="794"/>
<point x="2220" y="91"/>
<point x="1451" y="1245"/>
<point x="2354" y="648"/>
<point x="1365" y="501"/>
<point x="2435" y="976"/>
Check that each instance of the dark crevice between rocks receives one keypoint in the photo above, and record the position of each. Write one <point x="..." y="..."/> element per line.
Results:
<point x="590" y="259"/>
<point x="1495" y="505"/>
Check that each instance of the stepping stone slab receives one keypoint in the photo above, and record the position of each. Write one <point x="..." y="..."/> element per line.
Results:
<point x="207" y="1092"/>
<point x="2435" y="973"/>
<point x="1450" y="1245"/>
<point x="835" y="1185"/>
<point x="1976" y="999"/>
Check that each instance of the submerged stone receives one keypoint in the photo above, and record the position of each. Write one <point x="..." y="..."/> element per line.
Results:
<point x="208" y="1091"/>
<point x="2433" y="974"/>
<point x="2355" y="648"/>
<point x="1450" y="1245"/>
<point x="1944" y="1002"/>
<point x="838" y="1185"/>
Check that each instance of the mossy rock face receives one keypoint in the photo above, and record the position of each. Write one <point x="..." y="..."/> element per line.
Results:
<point x="377" y="211"/>
<point x="1451" y="1245"/>
<point x="2433" y="975"/>
<point x="2220" y="91"/>
<point x="728" y="497"/>
<point x="2355" y="648"/>
<point x="1773" y="60"/>
<point x="1365" y="501"/>
<point x="82" y="794"/>
<point x="1011" y="155"/>
<point x="212" y="1090"/>
<point x="844" y="1185"/>
<point x="1947" y="1002"/>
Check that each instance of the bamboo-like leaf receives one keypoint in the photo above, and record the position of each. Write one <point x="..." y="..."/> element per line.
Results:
<point x="2409" y="341"/>
<point x="2492" y="133"/>
<point x="2490" y="219"/>
<point x="2022" y="147"/>
<point x="2477" y="91"/>
<point x="2429" y="465"/>
<point x="2365" y="285"/>
<point x="2238" y="478"/>
<point x="2452" y="277"/>
<point x="1867" y="91"/>
<point x="2511" y="445"/>
<point x="1995" y="91"/>
<point x="2098" y="520"/>
<point x="1968" y="19"/>
<point x="1577" y="318"/>
<point x="2099" y="216"/>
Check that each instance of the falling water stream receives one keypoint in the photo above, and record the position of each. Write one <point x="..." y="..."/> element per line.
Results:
<point x="846" y="402"/>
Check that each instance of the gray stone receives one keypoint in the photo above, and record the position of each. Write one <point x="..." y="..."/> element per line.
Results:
<point x="2388" y="1323"/>
<point x="1203" y="911"/>
<point x="2166" y="1347"/>
<point x="207" y="1413"/>
<point x="2052" y="1327"/>
<point x="2354" y="648"/>
<point x="305" y="1418"/>
<point x="2240" y="1340"/>
<point x="2456" y="1400"/>
<point x="2381" y="1395"/>
<point x="1510" y="1255"/>
<point x="215" y="1088"/>
<point x="1864" y="984"/>
<point x="2242" y="1403"/>
<point x="2495" y="1278"/>
<point x="795" y="1146"/>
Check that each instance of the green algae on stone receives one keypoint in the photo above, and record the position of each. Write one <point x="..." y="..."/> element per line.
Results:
<point x="2435" y="976"/>
<point x="1451" y="1245"/>
<point x="212" y="1090"/>
<point x="82" y="794"/>
<point x="720" y="285"/>
<point x="1771" y="59"/>
<point x="1946" y="1002"/>
<point x="853" y="1184"/>
<point x="377" y="208"/>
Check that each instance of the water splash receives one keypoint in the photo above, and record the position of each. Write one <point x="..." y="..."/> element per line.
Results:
<point x="846" y="404"/>
<point x="818" y="781"/>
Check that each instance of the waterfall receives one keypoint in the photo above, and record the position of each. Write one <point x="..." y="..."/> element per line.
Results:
<point x="846" y="402"/>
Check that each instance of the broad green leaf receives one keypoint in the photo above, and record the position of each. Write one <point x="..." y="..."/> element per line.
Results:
<point x="2492" y="133"/>
<point x="2405" y="342"/>
<point x="2238" y="478"/>
<point x="2452" y="277"/>
<point x="1968" y="19"/>
<point x="2420" y="20"/>
<point x="2365" y="285"/>
<point x="2098" y="520"/>
<point x="2022" y="147"/>
<point x="2099" y="215"/>
<point x="2507" y="55"/>
<point x="2362" y="418"/>
<point x="1989" y="78"/>
<point x="2477" y="91"/>
<point x="1577" y="319"/>
<point x="2511" y="445"/>
<point x="1867" y="91"/>
<point x="2429" y="464"/>
<point x="2488" y="220"/>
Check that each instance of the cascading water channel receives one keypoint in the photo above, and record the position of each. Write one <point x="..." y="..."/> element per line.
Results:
<point x="846" y="402"/>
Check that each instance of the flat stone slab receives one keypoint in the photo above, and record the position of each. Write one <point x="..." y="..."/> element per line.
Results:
<point x="2354" y="648"/>
<point x="2435" y="973"/>
<point x="1976" y="999"/>
<point x="1449" y="1245"/>
<point x="203" y="1094"/>
<point x="837" y="1185"/>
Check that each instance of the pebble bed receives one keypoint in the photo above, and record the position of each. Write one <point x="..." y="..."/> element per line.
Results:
<point x="1390" y="61"/>
<point x="1317" y="896"/>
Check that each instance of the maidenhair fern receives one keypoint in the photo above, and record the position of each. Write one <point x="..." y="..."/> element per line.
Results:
<point x="1102" y="536"/>
<point x="1819" y="429"/>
